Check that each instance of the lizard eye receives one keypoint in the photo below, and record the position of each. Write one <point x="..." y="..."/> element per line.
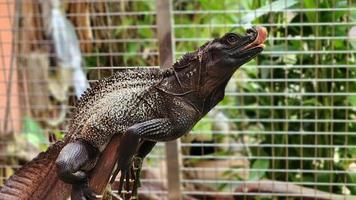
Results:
<point x="232" y="38"/>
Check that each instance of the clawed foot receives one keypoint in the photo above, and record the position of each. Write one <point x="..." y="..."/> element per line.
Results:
<point x="129" y="180"/>
<point x="83" y="192"/>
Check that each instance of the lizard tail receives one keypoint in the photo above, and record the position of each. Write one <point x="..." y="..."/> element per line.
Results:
<point x="37" y="179"/>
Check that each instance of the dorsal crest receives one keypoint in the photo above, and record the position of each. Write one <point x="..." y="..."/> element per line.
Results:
<point x="184" y="61"/>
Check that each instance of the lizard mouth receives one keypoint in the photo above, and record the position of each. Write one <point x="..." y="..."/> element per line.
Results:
<point x="260" y="37"/>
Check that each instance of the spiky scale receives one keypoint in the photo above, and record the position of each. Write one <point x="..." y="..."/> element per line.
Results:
<point x="115" y="103"/>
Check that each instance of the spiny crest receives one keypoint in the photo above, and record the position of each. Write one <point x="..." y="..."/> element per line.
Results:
<point x="204" y="45"/>
<point x="115" y="82"/>
<point x="120" y="76"/>
<point x="185" y="60"/>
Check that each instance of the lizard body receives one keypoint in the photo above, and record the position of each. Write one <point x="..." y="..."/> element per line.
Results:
<point x="146" y="106"/>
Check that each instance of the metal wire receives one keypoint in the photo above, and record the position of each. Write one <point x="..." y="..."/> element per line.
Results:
<point x="222" y="170"/>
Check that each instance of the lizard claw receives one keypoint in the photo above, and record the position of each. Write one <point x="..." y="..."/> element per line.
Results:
<point x="129" y="180"/>
<point x="137" y="167"/>
<point x="83" y="192"/>
<point x="66" y="174"/>
<point x="125" y="184"/>
<point x="90" y="194"/>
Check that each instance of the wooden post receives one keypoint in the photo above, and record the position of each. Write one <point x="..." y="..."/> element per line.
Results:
<point x="166" y="45"/>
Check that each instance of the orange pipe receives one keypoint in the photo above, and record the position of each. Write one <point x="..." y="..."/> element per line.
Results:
<point x="6" y="48"/>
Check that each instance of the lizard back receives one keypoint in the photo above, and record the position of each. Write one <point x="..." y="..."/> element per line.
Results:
<point x="107" y="106"/>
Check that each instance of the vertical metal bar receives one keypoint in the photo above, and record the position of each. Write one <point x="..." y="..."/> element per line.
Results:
<point x="166" y="45"/>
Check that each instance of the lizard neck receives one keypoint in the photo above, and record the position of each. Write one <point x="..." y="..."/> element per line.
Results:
<point x="182" y="83"/>
<point x="189" y="83"/>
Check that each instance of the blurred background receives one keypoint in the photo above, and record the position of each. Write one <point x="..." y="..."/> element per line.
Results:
<point x="285" y="130"/>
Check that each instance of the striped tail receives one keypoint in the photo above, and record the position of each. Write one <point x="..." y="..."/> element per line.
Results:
<point x="37" y="179"/>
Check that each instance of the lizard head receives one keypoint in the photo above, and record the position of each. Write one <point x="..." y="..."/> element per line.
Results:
<point x="221" y="57"/>
<point x="207" y="70"/>
<point x="229" y="52"/>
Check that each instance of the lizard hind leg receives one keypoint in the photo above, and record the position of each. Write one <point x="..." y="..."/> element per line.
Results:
<point x="74" y="160"/>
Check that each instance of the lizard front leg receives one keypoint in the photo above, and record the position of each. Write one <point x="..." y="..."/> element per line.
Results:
<point x="131" y="168"/>
<point x="127" y="149"/>
<point x="161" y="129"/>
<point x="151" y="131"/>
<point x="145" y="148"/>
<point x="73" y="162"/>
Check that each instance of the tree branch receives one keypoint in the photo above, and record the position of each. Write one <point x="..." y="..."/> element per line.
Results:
<point x="279" y="187"/>
<point x="100" y="175"/>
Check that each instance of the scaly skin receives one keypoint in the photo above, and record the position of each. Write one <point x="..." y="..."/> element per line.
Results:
<point x="37" y="179"/>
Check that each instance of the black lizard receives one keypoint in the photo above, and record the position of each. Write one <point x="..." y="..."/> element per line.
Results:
<point x="145" y="106"/>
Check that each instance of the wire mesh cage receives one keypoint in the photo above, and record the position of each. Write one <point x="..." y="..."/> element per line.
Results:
<point x="285" y="129"/>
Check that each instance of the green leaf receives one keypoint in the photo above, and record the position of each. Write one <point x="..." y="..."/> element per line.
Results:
<point x="58" y="134"/>
<point x="352" y="100"/>
<point x="34" y="133"/>
<point x="352" y="36"/>
<point x="275" y="6"/>
<point x="31" y="126"/>
<point x="212" y="5"/>
<point x="204" y="126"/>
<point x="290" y="59"/>
<point x="145" y="33"/>
<point x="352" y="179"/>
<point x="261" y="166"/>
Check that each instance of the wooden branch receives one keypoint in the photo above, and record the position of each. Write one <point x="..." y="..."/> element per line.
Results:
<point x="101" y="173"/>
<point x="279" y="187"/>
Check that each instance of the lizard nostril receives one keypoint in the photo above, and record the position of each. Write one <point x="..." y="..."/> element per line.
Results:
<point x="251" y="31"/>
<point x="252" y="37"/>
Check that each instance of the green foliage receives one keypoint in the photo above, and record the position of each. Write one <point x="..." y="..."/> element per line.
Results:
<point x="33" y="133"/>
<point x="277" y="6"/>
<point x="259" y="169"/>
<point x="301" y="123"/>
